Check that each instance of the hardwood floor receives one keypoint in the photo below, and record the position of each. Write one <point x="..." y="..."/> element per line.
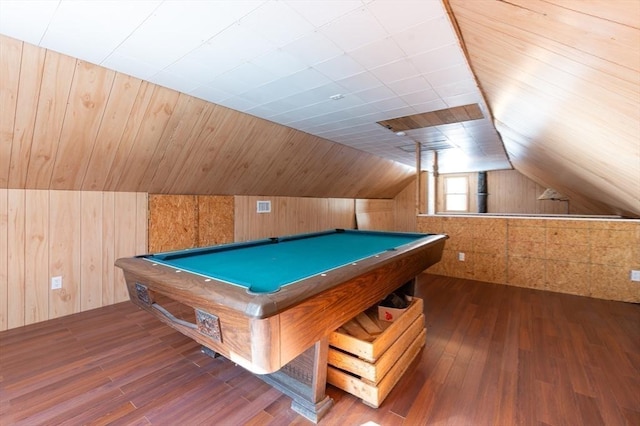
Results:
<point x="495" y="355"/>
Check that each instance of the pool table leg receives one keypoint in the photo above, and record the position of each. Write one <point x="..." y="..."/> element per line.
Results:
<point x="305" y="380"/>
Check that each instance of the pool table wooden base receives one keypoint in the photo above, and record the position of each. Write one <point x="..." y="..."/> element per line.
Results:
<point x="286" y="342"/>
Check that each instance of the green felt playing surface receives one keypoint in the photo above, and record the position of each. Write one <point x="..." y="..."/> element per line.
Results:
<point x="266" y="266"/>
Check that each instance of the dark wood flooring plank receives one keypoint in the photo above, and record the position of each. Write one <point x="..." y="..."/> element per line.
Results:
<point x="494" y="355"/>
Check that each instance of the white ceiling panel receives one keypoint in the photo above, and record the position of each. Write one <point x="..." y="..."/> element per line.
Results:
<point x="26" y="21"/>
<point x="282" y="61"/>
<point x="354" y="30"/>
<point x="396" y="16"/>
<point x="277" y="22"/>
<point x="319" y="13"/>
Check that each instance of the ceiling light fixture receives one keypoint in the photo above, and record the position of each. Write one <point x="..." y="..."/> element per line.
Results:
<point x="336" y="97"/>
<point x="401" y="134"/>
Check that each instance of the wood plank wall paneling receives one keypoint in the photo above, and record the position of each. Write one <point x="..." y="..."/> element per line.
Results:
<point x="587" y="257"/>
<point x="375" y="215"/>
<point x="10" y="55"/>
<point x="563" y="89"/>
<point x="111" y="132"/>
<point x="73" y="234"/>
<point x="70" y="125"/>
<point x="291" y="215"/>
<point x="58" y="75"/>
<point x="512" y="192"/>
<point x="36" y="255"/>
<point x="4" y="259"/>
<point x="25" y="114"/>
<point x="64" y="251"/>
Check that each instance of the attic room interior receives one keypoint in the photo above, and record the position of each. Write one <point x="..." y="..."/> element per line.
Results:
<point x="419" y="211"/>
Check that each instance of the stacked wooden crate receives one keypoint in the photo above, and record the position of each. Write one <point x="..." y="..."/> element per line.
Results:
<point x="367" y="356"/>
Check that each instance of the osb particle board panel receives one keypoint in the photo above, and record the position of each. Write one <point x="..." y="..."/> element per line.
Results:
<point x="215" y="219"/>
<point x="588" y="257"/>
<point x="173" y="222"/>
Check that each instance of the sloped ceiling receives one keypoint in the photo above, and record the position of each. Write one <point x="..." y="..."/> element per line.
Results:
<point x="234" y="97"/>
<point x="281" y="61"/>
<point x="562" y="78"/>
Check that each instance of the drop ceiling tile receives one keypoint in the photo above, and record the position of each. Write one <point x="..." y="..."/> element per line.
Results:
<point x="26" y="21"/>
<point x="279" y="63"/>
<point x="394" y="71"/>
<point x="202" y="73"/>
<point x="276" y="22"/>
<point x="130" y="66"/>
<point x="313" y="48"/>
<point x="238" y="103"/>
<point x="422" y="97"/>
<point x="166" y="37"/>
<point x="340" y="67"/>
<point x="243" y="78"/>
<point x="457" y="88"/>
<point x="79" y="27"/>
<point x="175" y="82"/>
<point x="463" y="99"/>
<point x="434" y="105"/>
<point x="409" y="85"/>
<point x="230" y="83"/>
<point x="426" y="36"/>
<point x="394" y="16"/>
<point x="317" y="12"/>
<point x="211" y="94"/>
<point x="261" y="111"/>
<point x="355" y="29"/>
<point x="237" y="9"/>
<point x="359" y="82"/>
<point x="393" y="108"/>
<point x="235" y="44"/>
<point x="449" y="75"/>
<point x="378" y="53"/>
<point x="376" y="94"/>
<point x="443" y="57"/>
<point x="308" y="79"/>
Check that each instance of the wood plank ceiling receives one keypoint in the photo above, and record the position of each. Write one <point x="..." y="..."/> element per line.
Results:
<point x="562" y="78"/>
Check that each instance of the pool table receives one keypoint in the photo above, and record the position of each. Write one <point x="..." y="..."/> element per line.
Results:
<point x="269" y="305"/>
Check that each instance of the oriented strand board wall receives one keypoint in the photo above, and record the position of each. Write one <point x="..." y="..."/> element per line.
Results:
<point x="588" y="257"/>
<point x="291" y="215"/>
<point x="186" y="221"/>
<point x="74" y="234"/>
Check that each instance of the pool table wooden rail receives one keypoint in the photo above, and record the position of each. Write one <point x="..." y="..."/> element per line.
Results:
<point x="301" y="314"/>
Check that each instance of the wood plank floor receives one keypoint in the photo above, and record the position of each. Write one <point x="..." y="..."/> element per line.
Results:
<point x="495" y="355"/>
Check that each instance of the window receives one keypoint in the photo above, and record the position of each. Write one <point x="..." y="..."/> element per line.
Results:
<point x="456" y="194"/>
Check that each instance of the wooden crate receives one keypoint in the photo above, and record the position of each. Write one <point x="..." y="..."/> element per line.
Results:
<point x="369" y="365"/>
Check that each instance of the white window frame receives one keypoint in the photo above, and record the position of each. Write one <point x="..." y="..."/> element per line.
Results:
<point x="455" y="192"/>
